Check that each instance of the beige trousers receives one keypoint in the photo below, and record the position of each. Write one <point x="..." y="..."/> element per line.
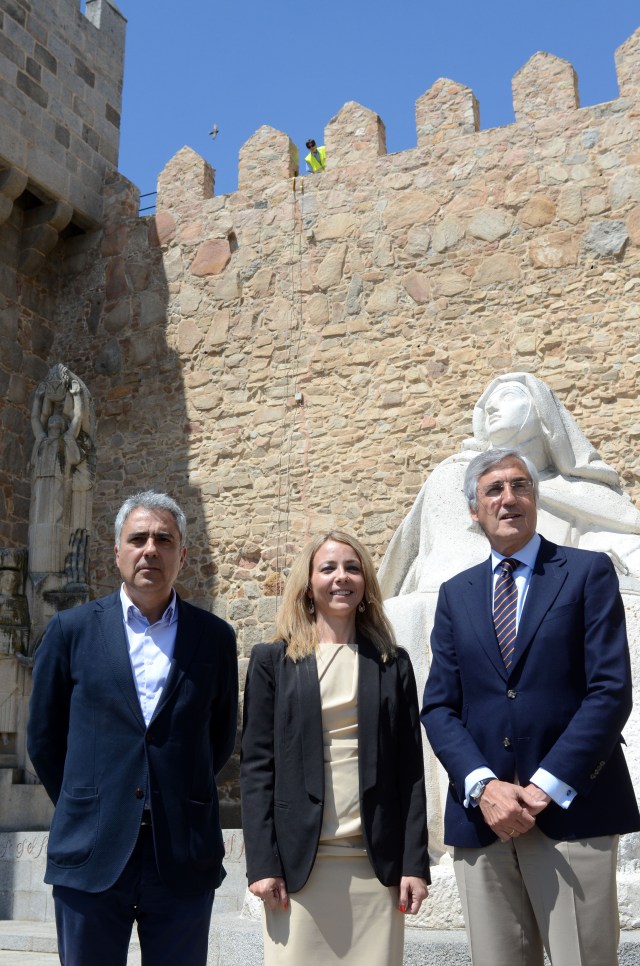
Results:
<point x="533" y="893"/>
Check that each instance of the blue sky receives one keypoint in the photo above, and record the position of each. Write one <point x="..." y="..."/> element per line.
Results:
<point x="293" y="66"/>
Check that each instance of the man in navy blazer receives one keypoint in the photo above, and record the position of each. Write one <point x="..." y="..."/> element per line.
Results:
<point x="539" y="789"/>
<point x="133" y="713"/>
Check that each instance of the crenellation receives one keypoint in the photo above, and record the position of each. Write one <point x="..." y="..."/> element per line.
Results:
<point x="185" y="179"/>
<point x="268" y="156"/>
<point x="543" y="86"/>
<point x="627" y="59"/>
<point x="447" y="110"/>
<point x="355" y="135"/>
<point x="105" y="16"/>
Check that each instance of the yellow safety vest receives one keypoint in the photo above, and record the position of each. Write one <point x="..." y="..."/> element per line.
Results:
<point x="317" y="161"/>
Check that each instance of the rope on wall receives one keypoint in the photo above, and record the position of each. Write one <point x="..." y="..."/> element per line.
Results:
<point x="288" y="425"/>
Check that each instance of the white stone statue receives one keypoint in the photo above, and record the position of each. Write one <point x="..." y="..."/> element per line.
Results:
<point x="62" y="467"/>
<point x="581" y="505"/>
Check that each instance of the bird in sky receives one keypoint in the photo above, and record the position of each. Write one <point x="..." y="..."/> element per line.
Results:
<point x="214" y="131"/>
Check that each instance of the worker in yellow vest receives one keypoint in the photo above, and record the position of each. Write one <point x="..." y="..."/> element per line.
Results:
<point x="317" y="157"/>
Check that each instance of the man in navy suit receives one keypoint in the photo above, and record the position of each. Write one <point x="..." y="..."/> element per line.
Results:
<point x="133" y="713"/>
<point x="539" y="790"/>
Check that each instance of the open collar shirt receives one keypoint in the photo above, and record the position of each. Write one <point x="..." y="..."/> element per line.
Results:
<point x="151" y="649"/>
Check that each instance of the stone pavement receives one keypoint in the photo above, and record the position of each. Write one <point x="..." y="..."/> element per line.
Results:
<point x="27" y="943"/>
<point x="235" y="941"/>
<point x="12" y="958"/>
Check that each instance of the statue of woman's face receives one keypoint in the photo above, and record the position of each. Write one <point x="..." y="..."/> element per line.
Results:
<point x="510" y="415"/>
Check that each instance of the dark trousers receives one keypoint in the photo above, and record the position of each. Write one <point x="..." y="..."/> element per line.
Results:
<point x="94" y="928"/>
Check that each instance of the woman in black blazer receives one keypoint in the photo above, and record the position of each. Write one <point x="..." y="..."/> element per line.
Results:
<point x="333" y="798"/>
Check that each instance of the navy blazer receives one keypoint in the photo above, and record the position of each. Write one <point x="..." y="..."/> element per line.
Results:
<point x="98" y="761"/>
<point x="282" y="767"/>
<point x="560" y="706"/>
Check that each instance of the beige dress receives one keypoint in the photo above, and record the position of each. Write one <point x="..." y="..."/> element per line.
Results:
<point x="343" y="914"/>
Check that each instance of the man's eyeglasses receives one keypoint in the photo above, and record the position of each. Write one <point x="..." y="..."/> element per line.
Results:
<point x="519" y="488"/>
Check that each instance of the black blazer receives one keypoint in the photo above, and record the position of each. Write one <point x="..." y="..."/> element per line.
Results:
<point x="282" y="769"/>
<point x="98" y="761"/>
<point x="561" y="705"/>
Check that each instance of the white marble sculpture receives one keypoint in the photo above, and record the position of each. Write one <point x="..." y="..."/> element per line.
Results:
<point x="62" y="468"/>
<point x="581" y="505"/>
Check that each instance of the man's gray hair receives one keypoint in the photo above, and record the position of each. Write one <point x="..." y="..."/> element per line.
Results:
<point x="149" y="500"/>
<point x="486" y="461"/>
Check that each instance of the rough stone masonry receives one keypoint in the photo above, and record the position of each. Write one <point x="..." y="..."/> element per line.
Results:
<point x="299" y="354"/>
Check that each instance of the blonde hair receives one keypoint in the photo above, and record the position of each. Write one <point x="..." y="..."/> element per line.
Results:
<point x="296" y="626"/>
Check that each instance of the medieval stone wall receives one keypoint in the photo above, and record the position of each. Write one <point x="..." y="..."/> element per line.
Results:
<point x="61" y="97"/>
<point x="299" y="355"/>
<point x="60" y="105"/>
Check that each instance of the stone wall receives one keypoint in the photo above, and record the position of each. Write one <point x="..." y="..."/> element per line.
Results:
<point x="59" y="132"/>
<point x="301" y="353"/>
<point x="61" y="98"/>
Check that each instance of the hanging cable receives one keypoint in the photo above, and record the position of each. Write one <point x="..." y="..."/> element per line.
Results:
<point x="283" y="494"/>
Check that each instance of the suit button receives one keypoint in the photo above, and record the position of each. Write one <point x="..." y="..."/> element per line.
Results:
<point x="506" y="742"/>
<point x="150" y="737"/>
<point x="139" y="793"/>
<point x="511" y="694"/>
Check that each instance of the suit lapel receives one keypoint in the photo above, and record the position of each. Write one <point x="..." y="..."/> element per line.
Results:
<point x="114" y="642"/>
<point x="549" y="574"/>
<point x="479" y="604"/>
<point x="188" y="637"/>
<point x="368" y="712"/>
<point x="114" y="639"/>
<point x="310" y="714"/>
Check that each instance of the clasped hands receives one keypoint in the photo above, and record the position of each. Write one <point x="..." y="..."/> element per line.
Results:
<point x="510" y="810"/>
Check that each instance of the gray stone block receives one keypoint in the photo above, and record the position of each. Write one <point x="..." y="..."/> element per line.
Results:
<point x="30" y="905"/>
<point x="12" y="53"/>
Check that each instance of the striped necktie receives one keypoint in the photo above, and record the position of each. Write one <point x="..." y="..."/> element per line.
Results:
<point x="505" y="608"/>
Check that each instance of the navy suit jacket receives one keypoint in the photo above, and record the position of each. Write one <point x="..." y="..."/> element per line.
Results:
<point x="98" y="761"/>
<point x="282" y="770"/>
<point x="560" y="706"/>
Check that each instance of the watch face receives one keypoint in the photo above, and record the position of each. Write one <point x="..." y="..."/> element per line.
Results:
<point x="478" y="789"/>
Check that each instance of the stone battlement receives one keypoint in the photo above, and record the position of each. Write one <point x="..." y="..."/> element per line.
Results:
<point x="545" y="87"/>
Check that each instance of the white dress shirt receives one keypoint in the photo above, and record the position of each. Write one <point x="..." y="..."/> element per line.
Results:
<point x="561" y="793"/>
<point x="150" y="650"/>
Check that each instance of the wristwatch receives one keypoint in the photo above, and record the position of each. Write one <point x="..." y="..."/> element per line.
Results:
<point x="477" y="791"/>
